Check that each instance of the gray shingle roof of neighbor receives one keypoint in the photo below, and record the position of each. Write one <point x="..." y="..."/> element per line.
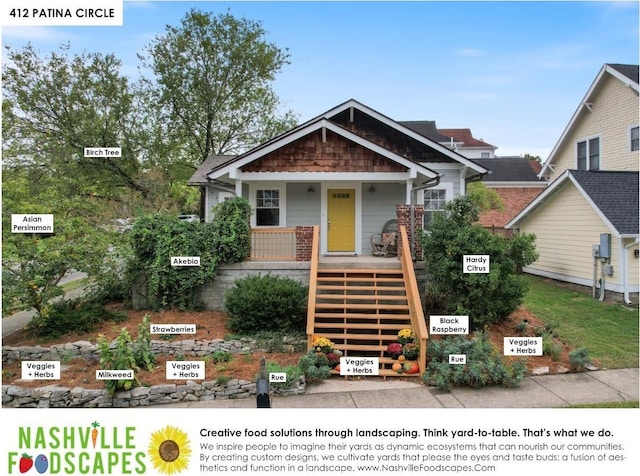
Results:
<point x="616" y="194"/>
<point x="212" y="162"/>
<point x="629" y="70"/>
<point x="427" y="129"/>
<point x="510" y="169"/>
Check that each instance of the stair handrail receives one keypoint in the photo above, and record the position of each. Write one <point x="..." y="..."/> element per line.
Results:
<point x="313" y="283"/>
<point x="413" y="297"/>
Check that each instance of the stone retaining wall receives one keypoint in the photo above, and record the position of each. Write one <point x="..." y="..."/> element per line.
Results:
<point x="184" y="348"/>
<point x="52" y="396"/>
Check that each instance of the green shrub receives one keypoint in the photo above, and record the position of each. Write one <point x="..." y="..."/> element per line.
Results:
<point x="221" y="356"/>
<point x="156" y="238"/>
<point x="315" y="366"/>
<point x="485" y="365"/>
<point x="485" y="297"/>
<point x="266" y="303"/>
<point x="293" y="373"/>
<point x="127" y="354"/>
<point x="579" y="359"/>
<point x="142" y="354"/>
<point x="231" y="230"/>
<point x="69" y="316"/>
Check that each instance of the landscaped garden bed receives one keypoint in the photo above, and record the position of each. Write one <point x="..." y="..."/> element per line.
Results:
<point x="231" y="364"/>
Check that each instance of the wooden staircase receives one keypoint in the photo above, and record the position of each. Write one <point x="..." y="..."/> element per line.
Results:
<point x="362" y="309"/>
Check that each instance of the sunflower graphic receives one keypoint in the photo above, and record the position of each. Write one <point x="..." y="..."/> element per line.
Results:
<point x="169" y="450"/>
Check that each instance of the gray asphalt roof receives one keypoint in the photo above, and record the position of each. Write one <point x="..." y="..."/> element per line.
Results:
<point x="629" y="70"/>
<point x="427" y="129"/>
<point x="616" y="194"/>
<point x="212" y="162"/>
<point x="509" y="169"/>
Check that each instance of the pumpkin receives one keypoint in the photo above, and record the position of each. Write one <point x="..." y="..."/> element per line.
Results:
<point x="411" y="368"/>
<point x="337" y="368"/>
<point x="401" y="358"/>
<point x="396" y="367"/>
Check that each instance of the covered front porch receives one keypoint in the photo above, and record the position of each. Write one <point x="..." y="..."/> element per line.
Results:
<point x="294" y="243"/>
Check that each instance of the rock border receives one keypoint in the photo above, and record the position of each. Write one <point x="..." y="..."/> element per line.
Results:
<point x="53" y="396"/>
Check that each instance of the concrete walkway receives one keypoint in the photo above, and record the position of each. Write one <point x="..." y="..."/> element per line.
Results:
<point x="549" y="391"/>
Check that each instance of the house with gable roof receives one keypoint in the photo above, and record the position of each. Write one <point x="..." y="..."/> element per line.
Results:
<point x="345" y="170"/>
<point x="594" y="191"/>
<point x="325" y="188"/>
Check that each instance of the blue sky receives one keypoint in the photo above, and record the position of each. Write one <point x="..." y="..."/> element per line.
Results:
<point x="513" y="72"/>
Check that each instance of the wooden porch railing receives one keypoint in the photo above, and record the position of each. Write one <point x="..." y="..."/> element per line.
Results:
<point x="275" y="244"/>
<point x="313" y="283"/>
<point x="413" y="298"/>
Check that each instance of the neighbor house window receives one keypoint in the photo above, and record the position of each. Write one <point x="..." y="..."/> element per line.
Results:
<point x="268" y="207"/>
<point x="485" y="155"/>
<point x="634" y="141"/>
<point x="588" y="153"/>
<point x="434" y="202"/>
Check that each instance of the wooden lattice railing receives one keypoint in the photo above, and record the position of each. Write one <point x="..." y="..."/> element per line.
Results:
<point x="313" y="284"/>
<point x="274" y="244"/>
<point x="413" y="297"/>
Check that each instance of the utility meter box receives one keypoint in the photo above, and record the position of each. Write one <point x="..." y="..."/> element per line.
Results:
<point x="595" y="251"/>
<point x="605" y="245"/>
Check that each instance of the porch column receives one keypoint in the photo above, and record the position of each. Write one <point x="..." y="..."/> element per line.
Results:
<point x="403" y="213"/>
<point x="238" y="188"/>
<point x="407" y="199"/>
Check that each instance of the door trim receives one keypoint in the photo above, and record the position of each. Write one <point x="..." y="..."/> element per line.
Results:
<point x="357" y="187"/>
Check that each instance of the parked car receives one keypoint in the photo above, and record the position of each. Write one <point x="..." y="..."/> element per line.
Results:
<point x="189" y="217"/>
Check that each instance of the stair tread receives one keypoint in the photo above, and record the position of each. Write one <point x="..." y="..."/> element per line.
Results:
<point x="363" y="297"/>
<point x="323" y="305"/>
<point x="351" y="325"/>
<point x="332" y="287"/>
<point x="371" y="337"/>
<point x="397" y="270"/>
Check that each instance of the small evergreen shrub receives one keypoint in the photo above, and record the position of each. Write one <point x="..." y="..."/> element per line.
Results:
<point x="68" y="316"/>
<point x="293" y="372"/>
<point x="485" y="365"/>
<point x="315" y="366"/>
<point x="579" y="359"/>
<point x="266" y="303"/>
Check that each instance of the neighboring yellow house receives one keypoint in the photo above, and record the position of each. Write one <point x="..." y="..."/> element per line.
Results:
<point x="594" y="191"/>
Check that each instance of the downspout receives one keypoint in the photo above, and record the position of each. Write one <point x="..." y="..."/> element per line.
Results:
<point x="625" y="266"/>
<point x="435" y="181"/>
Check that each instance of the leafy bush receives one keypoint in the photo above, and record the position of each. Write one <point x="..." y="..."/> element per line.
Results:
<point x="579" y="359"/>
<point x="266" y="303"/>
<point x="127" y="354"/>
<point x="293" y="373"/>
<point x="315" y="366"/>
<point x="220" y="356"/>
<point x="231" y="230"/>
<point x="485" y="365"/>
<point x="485" y="297"/>
<point x="155" y="238"/>
<point x="68" y="316"/>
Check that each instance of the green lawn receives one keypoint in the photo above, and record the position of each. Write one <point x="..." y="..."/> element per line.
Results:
<point x="608" y="331"/>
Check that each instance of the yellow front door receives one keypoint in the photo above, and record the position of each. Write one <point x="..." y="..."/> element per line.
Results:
<point x="341" y="213"/>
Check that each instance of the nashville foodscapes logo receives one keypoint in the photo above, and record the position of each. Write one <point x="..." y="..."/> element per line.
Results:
<point x="94" y="449"/>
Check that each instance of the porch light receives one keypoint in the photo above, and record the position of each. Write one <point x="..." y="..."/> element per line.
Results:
<point x="372" y="189"/>
<point x="311" y="189"/>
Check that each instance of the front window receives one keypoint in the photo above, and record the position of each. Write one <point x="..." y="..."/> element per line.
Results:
<point x="634" y="138"/>
<point x="268" y="207"/>
<point x="434" y="202"/>
<point x="588" y="154"/>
